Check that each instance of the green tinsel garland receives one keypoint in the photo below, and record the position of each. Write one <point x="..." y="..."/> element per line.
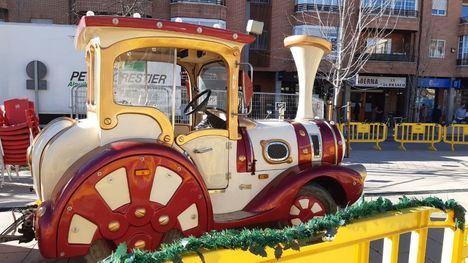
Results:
<point x="257" y="240"/>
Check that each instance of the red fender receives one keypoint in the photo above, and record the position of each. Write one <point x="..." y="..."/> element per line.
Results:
<point x="280" y="193"/>
<point x="54" y="216"/>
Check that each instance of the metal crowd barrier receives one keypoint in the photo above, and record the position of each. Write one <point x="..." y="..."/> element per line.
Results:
<point x="353" y="242"/>
<point x="456" y="134"/>
<point x="78" y="102"/>
<point x="365" y="132"/>
<point x="263" y="104"/>
<point x="429" y="133"/>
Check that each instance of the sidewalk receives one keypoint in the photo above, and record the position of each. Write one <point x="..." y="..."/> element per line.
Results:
<point x="391" y="173"/>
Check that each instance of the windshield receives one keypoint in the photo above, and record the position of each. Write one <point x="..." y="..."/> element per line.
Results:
<point x="151" y="77"/>
<point x="214" y="77"/>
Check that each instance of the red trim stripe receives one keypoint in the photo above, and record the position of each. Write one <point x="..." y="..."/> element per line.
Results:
<point x="328" y="142"/>
<point x="244" y="148"/>
<point x="340" y="143"/>
<point x="304" y="146"/>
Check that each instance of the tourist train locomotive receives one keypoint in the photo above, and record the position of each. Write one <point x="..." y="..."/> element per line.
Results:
<point x="178" y="156"/>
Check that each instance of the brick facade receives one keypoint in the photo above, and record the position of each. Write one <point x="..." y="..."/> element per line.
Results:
<point x="198" y="10"/>
<point x="411" y="37"/>
<point x="25" y="10"/>
<point x="283" y="18"/>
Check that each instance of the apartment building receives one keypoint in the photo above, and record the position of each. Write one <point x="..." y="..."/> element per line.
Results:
<point x="421" y="65"/>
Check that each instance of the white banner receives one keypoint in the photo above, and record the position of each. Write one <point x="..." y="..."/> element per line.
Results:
<point x="381" y="82"/>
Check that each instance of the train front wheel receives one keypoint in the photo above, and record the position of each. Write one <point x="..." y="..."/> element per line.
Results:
<point x="312" y="201"/>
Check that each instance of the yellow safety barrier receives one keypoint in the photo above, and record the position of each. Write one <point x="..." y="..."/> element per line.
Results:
<point x="430" y="133"/>
<point x="366" y="132"/>
<point x="456" y="134"/>
<point x="352" y="242"/>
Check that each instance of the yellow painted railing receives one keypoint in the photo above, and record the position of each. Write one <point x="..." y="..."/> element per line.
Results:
<point x="352" y="242"/>
<point x="429" y="133"/>
<point x="365" y="132"/>
<point x="456" y="134"/>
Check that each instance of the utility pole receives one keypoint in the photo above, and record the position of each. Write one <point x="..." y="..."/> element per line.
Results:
<point x="412" y="108"/>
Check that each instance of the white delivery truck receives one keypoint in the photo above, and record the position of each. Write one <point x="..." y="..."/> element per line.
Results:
<point x="53" y="45"/>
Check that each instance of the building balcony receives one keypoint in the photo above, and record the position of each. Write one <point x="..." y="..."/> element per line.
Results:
<point x="315" y="7"/>
<point x="464" y="20"/>
<point x="259" y="57"/>
<point x="210" y="2"/>
<point x="390" y="57"/>
<point x="390" y="67"/>
<point x="393" y="12"/>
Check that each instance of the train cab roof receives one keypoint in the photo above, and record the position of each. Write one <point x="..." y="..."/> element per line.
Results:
<point x="112" y="29"/>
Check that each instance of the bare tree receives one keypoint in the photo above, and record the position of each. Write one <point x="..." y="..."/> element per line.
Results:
<point x="111" y="7"/>
<point x="358" y="27"/>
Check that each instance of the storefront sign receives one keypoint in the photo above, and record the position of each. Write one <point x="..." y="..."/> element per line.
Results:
<point x="438" y="83"/>
<point x="381" y="82"/>
<point x="77" y="79"/>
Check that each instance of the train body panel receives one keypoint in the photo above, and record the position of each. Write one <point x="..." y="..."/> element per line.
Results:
<point x="274" y="133"/>
<point x="40" y="143"/>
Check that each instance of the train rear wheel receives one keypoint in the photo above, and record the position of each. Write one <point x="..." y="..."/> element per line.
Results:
<point x="312" y="201"/>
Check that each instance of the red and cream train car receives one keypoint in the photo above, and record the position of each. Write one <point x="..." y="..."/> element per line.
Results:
<point x="145" y="168"/>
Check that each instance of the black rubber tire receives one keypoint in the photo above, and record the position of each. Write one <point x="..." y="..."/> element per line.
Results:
<point x="98" y="251"/>
<point x="320" y="193"/>
<point x="171" y="236"/>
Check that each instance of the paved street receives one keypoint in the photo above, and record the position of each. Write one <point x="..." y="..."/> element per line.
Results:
<point x="416" y="172"/>
<point x="391" y="173"/>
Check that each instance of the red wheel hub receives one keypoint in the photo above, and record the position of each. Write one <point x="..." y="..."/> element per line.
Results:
<point x="304" y="208"/>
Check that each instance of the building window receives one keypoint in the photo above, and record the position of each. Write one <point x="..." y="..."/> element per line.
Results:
<point x="465" y="11"/>
<point x="408" y="8"/>
<point x="464" y="14"/>
<point x="437" y="48"/>
<point x="327" y="32"/>
<point x="317" y="5"/>
<point x="439" y="7"/>
<point x="260" y="2"/>
<point x="463" y="51"/>
<point x="379" y="45"/>
<point x="201" y="21"/>
<point x="211" y="2"/>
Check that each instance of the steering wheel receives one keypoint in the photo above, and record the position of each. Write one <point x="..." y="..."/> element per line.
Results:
<point x="199" y="107"/>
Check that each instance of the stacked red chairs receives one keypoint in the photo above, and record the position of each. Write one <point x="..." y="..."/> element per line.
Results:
<point x="18" y="127"/>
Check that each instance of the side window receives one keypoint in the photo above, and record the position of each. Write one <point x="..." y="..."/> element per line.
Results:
<point x="147" y="77"/>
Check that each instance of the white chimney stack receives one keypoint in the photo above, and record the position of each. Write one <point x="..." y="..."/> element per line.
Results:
<point x="307" y="52"/>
